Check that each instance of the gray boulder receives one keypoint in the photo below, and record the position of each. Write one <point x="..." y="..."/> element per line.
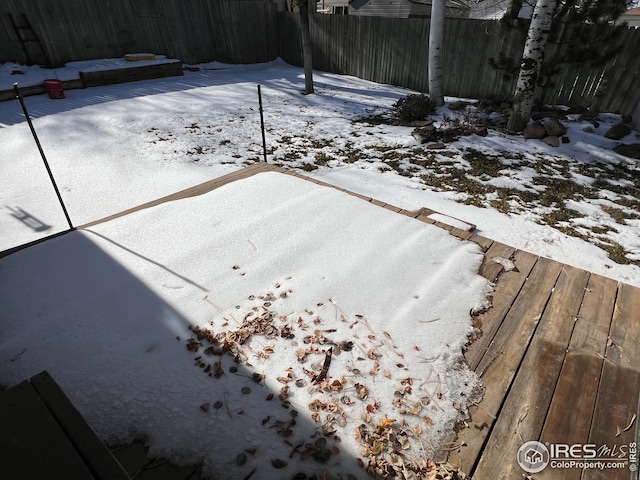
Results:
<point x="631" y="150"/>
<point x="534" y="130"/>
<point x="551" y="140"/>
<point x="617" y="132"/>
<point x="554" y="128"/>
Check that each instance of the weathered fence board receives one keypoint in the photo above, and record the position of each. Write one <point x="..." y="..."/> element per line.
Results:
<point x="385" y="50"/>
<point x="194" y="31"/>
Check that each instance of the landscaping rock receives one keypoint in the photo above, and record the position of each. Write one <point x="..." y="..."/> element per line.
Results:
<point x="534" y="130"/>
<point x="554" y="128"/>
<point x="588" y="130"/>
<point x="482" y="132"/>
<point x="429" y="133"/>
<point x="631" y="150"/>
<point x="618" y="131"/>
<point x="551" y="140"/>
<point x="424" y="133"/>
<point x="565" y="139"/>
<point x="436" y="146"/>
<point x="420" y="138"/>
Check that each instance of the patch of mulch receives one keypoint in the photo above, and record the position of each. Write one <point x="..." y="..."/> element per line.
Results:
<point x="429" y="133"/>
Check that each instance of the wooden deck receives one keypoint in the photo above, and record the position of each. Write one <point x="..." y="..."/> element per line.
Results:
<point x="560" y="360"/>
<point x="43" y="436"/>
<point x="558" y="354"/>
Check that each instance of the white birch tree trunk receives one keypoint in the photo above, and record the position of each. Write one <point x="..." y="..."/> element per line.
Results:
<point x="531" y="63"/>
<point x="436" y="39"/>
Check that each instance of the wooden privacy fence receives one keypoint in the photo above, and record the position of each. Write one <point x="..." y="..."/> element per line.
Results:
<point x="191" y="30"/>
<point x="395" y="51"/>
<point x="385" y="50"/>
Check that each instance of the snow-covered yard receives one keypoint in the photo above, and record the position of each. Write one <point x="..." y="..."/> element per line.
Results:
<point x="115" y="147"/>
<point x="273" y="324"/>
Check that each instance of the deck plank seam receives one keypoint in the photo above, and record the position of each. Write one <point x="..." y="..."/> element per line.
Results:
<point x="491" y="427"/>
<point x="564" y="357"/>
<point x="603" y="367"/>
<point x="502" y="319"/>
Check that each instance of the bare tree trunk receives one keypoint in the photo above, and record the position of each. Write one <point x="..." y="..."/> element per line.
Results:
<point x="307" y="7"/>
<point x="436" y="39"/>
<point x="512" y="11"/>
<point x="532" y="57"/>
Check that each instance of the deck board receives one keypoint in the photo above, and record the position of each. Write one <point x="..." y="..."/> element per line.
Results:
<point x="525" y="408"/>
<point x="490" y="269"/>
<point x="500" y="363"/>
<point x="502" y="299"/>
<point x="102" y="464"/>
<point x="132" y="457"/>
<point x="32" y="444"/>
<point x="569" y="417"/>
<point x="617" y="401"/>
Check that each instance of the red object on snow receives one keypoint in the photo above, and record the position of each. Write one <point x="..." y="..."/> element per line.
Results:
<point x="54" y="88"/>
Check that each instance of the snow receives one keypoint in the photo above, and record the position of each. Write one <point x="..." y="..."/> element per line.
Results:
<point x="107" y="310"/>
<point x="102" y="308"/>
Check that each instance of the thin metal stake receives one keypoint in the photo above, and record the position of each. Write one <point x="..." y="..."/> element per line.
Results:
<point x="264" y="142"/>
<point x="44" y="159"/>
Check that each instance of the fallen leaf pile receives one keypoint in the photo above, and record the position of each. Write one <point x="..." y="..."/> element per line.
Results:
<point x="352" y="379"/>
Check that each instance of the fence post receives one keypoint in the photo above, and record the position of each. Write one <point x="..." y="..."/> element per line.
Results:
<point x="264" y="142"/>
<point x="44" y="158"/>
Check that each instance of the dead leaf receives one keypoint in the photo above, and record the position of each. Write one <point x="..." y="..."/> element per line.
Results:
<point x="386" y="422"/>
<point x="373" y="355"/>
<point x="361" y="391"/>
<point x="278" y="463"/>
<point x="336" y="386"/>
<point x="432" y="470"/>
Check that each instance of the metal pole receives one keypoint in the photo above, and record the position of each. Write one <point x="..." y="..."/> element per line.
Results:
<point x="264" y="142"/>
<point x="44" y="159"/>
